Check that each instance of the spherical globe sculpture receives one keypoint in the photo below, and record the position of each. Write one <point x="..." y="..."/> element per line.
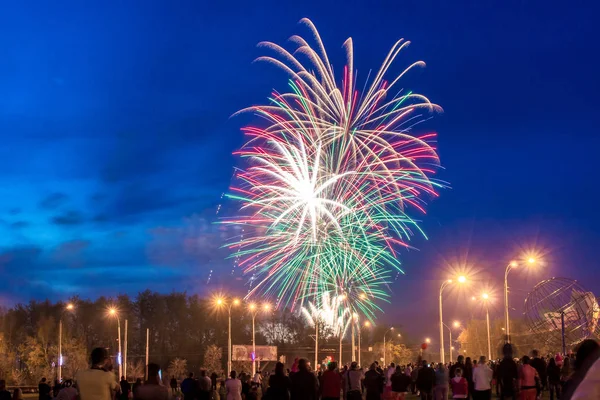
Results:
<point x="563" y="312"/>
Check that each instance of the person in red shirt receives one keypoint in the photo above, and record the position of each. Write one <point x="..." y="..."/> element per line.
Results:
<point x="527" y="380"/>
<point x="460" y="386"/>
<point x="331" y="383"/>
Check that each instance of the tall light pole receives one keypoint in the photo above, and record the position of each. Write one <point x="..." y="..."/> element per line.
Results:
<point x="341" y="327"/>
<point x="69" y="307"/>
<point x="366" y="325"/>
<point x="341" y="337"/>
<point x="455" y="324"/>
<point x="113" y="312"/>
<point x="461" y="279"/>
<point x="353" y="343"/>
<point x="509" y="267"/>
<point x="254" y="310"/>
<point x="235" y="302"/>
<point x="485" y="298"/>
<point x="147" y="350"/>
<point x="316" y="344"/>
<point x="125" y="353"/>
<point x="384" y="347"/>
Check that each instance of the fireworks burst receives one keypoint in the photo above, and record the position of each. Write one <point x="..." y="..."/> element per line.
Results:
<point x="329" y="312"/>
<point x="332" y="179"/>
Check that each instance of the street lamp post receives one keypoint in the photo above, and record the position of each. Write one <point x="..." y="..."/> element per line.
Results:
<point x="113" y="312"/>
<point x="341" y="337"/>
<point x="69" y="307"/>
<point x="353" y="343"/>
<point x="509" y="267"/>
<point x="234" y="302"/>
<point x="461" y="279"/>
<point x="366" y="325"/>
<point x="356" y="320"/>
<point x="125" y="352"/>
<point x="456" y="324"/>
<point x="316" y="344"/>
<point x="254" y="311"/>
<point x="485" y="298"/>
<point x="384" y="346"/>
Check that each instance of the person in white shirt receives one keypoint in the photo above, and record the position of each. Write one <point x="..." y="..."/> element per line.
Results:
<point x="482" y="380"/>
<point x="233" y="387"/>
<point x="97" y="383"/>
<point x="257" y="379"/>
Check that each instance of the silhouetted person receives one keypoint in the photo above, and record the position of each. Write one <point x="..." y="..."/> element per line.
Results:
<point x="508" y="374"/>
<point x="125" y="389"/>
<point x="204" y="386"/>
<point x="97" y="383"/>
<point x="279" y="384"/>
<point x="136" y="386"/>
<point x="173" y="385"/>
<point x="68" y="392"/>
<point x="213" y="380"/>
<point x="188" y="387"/>
<point x="553" y="372"/>
<point x="426" y="381"/>
<point x="401" y="384"/>
<point x="152" y="388"/>
<point x="4" y="394"/>
<point x="56" y="388"/>
<point x="373" y="383"/>
<point x="44" y="390"/>
<point x="304" y="383"/>
<point x="331" y="383"/>
<point x="540" y="366"/>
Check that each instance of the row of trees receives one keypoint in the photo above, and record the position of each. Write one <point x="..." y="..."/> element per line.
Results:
<point x="186" y="333"/>
<point x="473" y="339"/>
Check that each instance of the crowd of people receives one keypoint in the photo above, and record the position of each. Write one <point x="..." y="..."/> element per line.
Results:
<point x="570" y="377"/>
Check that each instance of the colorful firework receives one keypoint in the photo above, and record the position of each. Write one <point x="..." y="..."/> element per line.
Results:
<point x="331" y="180"/>
<point x="329" y="312"/>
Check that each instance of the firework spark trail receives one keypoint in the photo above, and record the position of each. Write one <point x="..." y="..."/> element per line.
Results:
<point x="331" y="180"/>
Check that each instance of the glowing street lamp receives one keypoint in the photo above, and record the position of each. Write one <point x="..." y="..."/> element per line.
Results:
<point x="460" y="279"/>
<point x="220" y="302"/>
<point x="427" y="340"/>
<point x="114" y="313"/>
<point x="384" y="347"/>
<point x="485" y="297"/>
<point x="254" y="310"/>
<point x="69" y="307"/>
<point x="455" y="324"/>
<point x="513" y="264"/>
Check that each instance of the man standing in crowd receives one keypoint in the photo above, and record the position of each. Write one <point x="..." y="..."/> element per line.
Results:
<point x="540" y="366"/>
<point x="482" y="380"/>
<point x="204" y="386"/>
<point x="508" y="374"/>
<point x="331" y="383"/>
<point x="425" y="381"/>
<point x="188" y="387"/>
<point x="97" y="383"/>
<point x="152" y="389"/>
<point x="353" y="382"/>
<point x="304" y="383"/>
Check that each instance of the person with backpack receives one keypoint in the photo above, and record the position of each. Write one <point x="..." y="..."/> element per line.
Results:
<point x="353" y="382"/>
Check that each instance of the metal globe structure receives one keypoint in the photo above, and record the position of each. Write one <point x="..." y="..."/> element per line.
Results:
<point x="563" y="312"/>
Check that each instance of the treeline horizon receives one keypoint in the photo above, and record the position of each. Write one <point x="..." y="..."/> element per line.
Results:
<point x="193" y="331"/>
<point x="181" y="327"/>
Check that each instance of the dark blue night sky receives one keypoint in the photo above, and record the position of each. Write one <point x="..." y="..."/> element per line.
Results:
<point x="117" y="137"/>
